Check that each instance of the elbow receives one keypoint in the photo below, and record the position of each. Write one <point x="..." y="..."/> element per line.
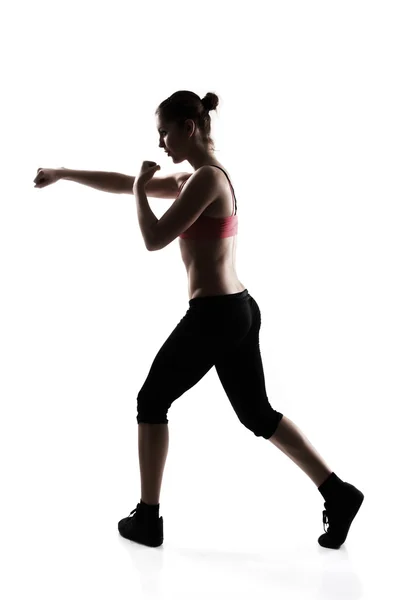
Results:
<point x="150" y="245"/>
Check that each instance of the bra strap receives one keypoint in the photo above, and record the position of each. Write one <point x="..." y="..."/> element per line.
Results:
<point x="233" y="191"/>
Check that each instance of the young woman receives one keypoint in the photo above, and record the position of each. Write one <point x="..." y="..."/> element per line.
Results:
<point x="222" y="324"/>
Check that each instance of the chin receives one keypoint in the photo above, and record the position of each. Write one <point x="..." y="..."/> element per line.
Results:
<point x="175" y="158"/>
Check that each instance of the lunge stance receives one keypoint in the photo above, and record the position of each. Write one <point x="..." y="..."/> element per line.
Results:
<point x="221" y="326"/>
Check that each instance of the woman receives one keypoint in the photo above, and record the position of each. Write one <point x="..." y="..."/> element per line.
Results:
<point x="220" y="328"/>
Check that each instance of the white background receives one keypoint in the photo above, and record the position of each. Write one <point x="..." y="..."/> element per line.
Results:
<point x="308" y="127"/>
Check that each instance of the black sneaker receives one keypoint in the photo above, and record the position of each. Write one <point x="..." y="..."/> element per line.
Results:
<point x="141" y="528"/>
<point x="339" y="515"/>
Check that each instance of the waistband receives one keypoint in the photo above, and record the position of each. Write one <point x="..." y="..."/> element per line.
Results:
<point x="217" y="300"/>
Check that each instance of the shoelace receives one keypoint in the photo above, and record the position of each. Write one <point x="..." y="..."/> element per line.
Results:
<point x="134" y="511"/>
<point x="325" y="520"/>
<point x="137" y="511"/>
<point x="332" y="519"/>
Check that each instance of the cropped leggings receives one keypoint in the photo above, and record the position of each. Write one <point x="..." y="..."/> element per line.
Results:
<point x="220" y="331"/>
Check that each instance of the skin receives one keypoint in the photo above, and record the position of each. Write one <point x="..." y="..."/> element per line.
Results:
<point x="184" y="144"/>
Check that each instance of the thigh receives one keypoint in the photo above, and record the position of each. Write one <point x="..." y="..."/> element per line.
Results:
<point x="180" y="363"/>
<point x="242" y="376"/>
<point x="191" y="350"/>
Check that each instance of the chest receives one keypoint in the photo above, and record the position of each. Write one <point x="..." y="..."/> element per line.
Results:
<point x="214" y="253"/>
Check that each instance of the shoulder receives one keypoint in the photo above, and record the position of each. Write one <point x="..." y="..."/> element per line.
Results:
<point x="202" y="174"/>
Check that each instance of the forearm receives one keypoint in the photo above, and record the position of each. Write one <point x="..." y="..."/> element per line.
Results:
<point x="147" y="219"/>
<point x="105" y="181"/>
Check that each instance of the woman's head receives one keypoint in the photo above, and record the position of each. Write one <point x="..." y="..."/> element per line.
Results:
<point x="184" y="125"/>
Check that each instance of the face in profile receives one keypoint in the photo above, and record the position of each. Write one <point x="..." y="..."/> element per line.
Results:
<point x="171" y="140"/>
<point x="167" y="137"/>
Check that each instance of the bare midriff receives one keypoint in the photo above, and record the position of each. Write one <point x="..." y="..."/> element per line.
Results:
<point x="210" y="264"/>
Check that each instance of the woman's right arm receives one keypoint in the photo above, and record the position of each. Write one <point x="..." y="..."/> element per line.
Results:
<point x="105" y="181"/>
<point x="166" y="186"/>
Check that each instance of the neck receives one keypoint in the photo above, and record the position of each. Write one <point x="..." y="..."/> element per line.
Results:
<point x="200" y="158"/>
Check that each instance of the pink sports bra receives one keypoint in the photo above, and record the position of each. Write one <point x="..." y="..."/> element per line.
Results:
<point x="212" y="227"/>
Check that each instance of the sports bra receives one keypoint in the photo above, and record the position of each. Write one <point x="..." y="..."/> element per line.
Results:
<point x="212" y="227"/>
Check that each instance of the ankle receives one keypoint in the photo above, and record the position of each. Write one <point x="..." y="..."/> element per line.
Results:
<point x="150" y="510"/>
<point x="331" y="486"/>
<point x="149" y="503"/>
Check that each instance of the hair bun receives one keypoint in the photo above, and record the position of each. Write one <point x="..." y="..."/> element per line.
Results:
<point x="210" y="101"/>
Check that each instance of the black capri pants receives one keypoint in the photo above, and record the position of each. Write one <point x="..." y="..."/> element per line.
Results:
<point x="221" y="331"/>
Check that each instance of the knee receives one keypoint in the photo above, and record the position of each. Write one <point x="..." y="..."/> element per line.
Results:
<point x="149" y="411"/>
<point x="266" y="427"/>
<point x="274" y="425"/>
<point x="157" y="421"/>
